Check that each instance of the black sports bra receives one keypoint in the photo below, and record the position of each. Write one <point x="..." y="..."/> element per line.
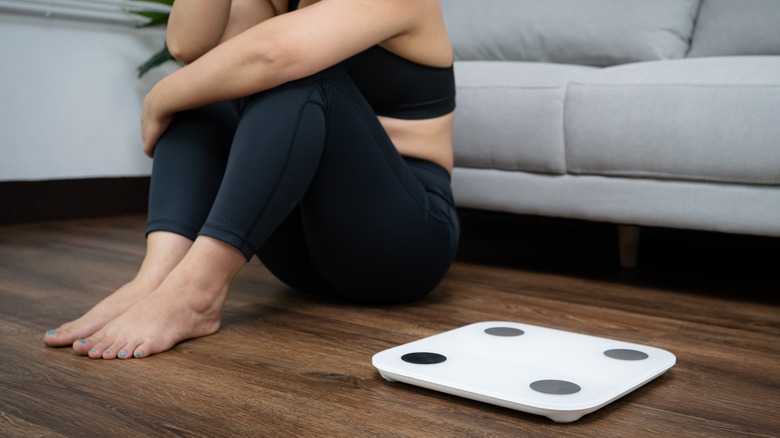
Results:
<point x="397" y="87"/>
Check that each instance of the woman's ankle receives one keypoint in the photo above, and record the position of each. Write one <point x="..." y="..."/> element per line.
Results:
<point x="213" y="263"/>
<point x="164" y="251"/>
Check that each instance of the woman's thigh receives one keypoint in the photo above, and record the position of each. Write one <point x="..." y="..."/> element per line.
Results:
<point x="368" y="228"/>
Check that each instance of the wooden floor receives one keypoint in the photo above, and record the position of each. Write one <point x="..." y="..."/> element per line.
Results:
<point x="285" y="364"/>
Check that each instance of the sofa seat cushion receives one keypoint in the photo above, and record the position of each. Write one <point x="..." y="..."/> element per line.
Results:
<point x="707" y="119"/>
<point x="510" y="114"/>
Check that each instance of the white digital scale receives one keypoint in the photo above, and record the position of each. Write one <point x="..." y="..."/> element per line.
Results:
<point x="558" y="374"/>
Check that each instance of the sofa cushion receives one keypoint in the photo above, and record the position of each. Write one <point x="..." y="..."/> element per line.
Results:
<point x="594" y="32"/>
<point x="510" y="114"/>
<point x="732" y="28"/>
<point x="728" y="208"/>
<point x="711" y="119"/>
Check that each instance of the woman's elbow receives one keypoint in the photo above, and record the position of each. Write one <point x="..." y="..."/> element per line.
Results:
<point x="183" y="51"/>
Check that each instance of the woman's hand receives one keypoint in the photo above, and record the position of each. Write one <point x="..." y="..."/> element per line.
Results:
<point x="154" y="122"/>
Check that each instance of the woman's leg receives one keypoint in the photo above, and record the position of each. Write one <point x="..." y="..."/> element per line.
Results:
<point x="189" y="302"/>
<point x="357" y="220"/>
<point x="313" y="147"/>
<point x="187" y="170"/>
<point x="385" y="254"/>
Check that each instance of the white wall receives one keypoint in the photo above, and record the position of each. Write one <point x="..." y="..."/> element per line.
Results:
<point x="70" y="99"/>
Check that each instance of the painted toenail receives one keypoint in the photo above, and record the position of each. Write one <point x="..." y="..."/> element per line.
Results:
<point x="107" y="352"/>
<point x="82" y="341"/>
<point x="51" y="332"/>
<point x="122" y="354"/>
<point x="94" y="350"/>
<point x="138" y="354"/>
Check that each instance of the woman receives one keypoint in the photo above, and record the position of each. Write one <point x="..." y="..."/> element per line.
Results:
<point x="314" y="135"/>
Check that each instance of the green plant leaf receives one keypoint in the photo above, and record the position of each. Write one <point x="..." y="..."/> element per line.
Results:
<point x="157" y="59"/>
<point x="162" y="2"/>
<point x="156" y="18"/>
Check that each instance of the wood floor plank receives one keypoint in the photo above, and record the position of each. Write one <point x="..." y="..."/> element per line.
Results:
<point x="288" y="364"/>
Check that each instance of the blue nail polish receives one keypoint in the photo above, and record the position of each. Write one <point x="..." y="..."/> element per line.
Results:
<point x="82" y="341"/>
<point x="107" y="352"/>
<point x="51" y="332"/>
<point x="138" y="354"/>
<point x="122" y="354"/>
<point x="94" y="350"/>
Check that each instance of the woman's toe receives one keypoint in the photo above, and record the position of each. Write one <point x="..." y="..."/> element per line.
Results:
<point x="110" y="352"/>
<point x="82" y="346"/>
<point x="98" y="350"/>
<point x="126" y="351"/>
<point x="60" y="337"/>
<point x="142" y="351"/>
<point x="52" y="338"/>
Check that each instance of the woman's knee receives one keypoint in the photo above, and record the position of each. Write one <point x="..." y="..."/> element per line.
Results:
<point x="210" y="125"/>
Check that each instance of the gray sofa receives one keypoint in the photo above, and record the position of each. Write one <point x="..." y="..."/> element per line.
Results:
<point x="661" y="113"/>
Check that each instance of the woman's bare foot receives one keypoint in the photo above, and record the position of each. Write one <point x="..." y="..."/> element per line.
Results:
<point x="165" y="251"/>
<point x="176" y="311"/>
<point x="188" y="304"/>
<point x="103" y="312"/>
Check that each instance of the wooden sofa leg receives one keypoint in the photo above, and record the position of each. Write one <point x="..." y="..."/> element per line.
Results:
<point x="628" y="239"/>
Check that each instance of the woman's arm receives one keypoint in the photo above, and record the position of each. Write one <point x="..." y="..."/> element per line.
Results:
<point x="278" y="50"/>
<point x="197" y="26"/>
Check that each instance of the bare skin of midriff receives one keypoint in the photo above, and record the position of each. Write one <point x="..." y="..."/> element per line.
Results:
<point x="427" y="139"/>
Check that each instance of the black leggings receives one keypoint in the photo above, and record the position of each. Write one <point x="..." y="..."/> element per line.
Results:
<point x="305" y="177"/>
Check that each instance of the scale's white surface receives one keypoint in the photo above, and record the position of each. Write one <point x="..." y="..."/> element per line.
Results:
<point x="558" y="374"/>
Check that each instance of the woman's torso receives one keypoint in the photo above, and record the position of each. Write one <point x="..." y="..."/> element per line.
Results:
<point x="427" y="137"/>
